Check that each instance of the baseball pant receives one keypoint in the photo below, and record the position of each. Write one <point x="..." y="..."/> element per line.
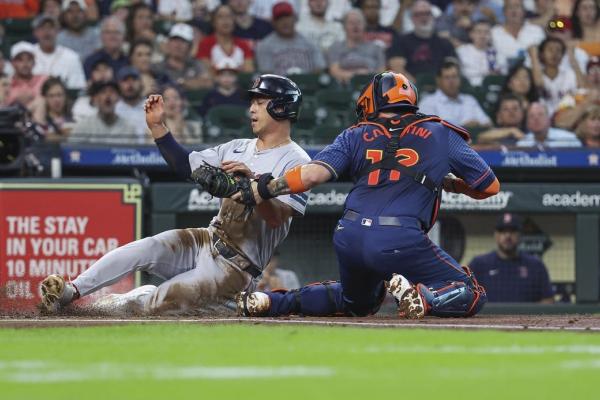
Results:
<point x="196" y="275"/>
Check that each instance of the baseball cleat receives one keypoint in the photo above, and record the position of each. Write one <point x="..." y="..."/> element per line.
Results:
<point x="56" y="293"/>
<point x="410" y="303"/>
<point x="255" y="304"/>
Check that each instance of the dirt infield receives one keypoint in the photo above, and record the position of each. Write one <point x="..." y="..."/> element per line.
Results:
<point x="579" y="323"/>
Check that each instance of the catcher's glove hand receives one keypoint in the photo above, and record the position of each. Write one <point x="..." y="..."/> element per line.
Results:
<point x="219" y="183"/>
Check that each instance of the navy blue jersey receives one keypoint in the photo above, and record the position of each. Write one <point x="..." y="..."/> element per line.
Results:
<point x="429" y="147"/>
<point x="523" y="279"/>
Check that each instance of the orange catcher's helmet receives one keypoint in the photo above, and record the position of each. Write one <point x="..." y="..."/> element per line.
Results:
<point x="386" y="90"/>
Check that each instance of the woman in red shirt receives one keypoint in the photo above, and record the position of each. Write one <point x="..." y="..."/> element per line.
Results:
<point x="222" y="47"/>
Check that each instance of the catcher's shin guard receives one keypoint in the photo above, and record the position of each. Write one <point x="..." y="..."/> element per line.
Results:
<point x="457" y="299"/>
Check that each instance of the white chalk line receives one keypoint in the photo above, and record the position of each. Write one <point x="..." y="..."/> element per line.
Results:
<point x="253" y="321"/>
<point x="38" y="371"/>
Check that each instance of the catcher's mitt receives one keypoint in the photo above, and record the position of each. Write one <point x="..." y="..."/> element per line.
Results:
<point x="219" y="183"/>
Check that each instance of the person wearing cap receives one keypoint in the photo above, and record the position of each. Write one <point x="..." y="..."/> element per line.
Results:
<point x="562" y="28"/>
<point x="264" y="8"/>
<point x="25" y="86"/>
<point x="222" y="46"/>
<point x="285" y="50"/>
<point x="130" y="106"/>
<point x="106" y="126"/>
<point x="573" y="105"/>
<point x="112" y="35"/>
<point x="179" y="67"/>
<point x="226" y="90"/>
<point x="508" y="274"/>
<point x="248" y="26"/>
<point x="54" y="59"/>
<point x="76" y="34"/>
<point x="314" y="27"/>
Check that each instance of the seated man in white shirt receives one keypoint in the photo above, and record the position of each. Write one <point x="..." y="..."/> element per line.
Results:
<point x="479" y="58"/>
<point x="451" y="105"/>
<point x="317" y="29"/>
<point x="541" y="134"/>
<point x="53" y="59"/>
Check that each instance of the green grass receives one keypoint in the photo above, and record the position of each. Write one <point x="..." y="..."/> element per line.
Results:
<point x="260" y="362"/>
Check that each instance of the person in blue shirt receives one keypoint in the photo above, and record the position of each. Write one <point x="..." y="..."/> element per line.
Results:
<point x="510" y="275"/>
<point x="399" y="161"/>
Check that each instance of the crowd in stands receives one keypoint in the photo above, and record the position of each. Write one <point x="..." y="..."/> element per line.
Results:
<point x="517" y="73"/>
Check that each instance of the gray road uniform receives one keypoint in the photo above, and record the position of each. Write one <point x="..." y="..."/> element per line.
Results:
<point x="202" y="266"/>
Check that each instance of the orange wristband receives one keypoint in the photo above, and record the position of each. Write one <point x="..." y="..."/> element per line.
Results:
<point x="293" y="177"/>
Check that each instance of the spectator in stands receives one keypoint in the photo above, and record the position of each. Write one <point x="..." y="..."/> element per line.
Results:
<point x="226" y="90"/>
<point x="179" y="67"/>
<point x="421" y="51"/>
<point x="541" y="134"/>
<point x="586" y="25"/>
<point x="185" y="130"/>
<point x="131" y="105"/>
<point x="381" y="35"/>
<point x="588" y="128"/>
<point x="19" y="9"/>
<point x="274" y="277"/>
<point x="544" y="12"/>
<point x="455" y="26"/>
<point x="519" y="82"/>
<point x="479" y="59"/>
<point x="508" y="274"/>
<point x="510" y="121"/>
<point x="286" y="51"/>
<point x="50" y="8"/>
<point x="140" y="25"/>
<point x="450" y="104"/>
<point x="120" y="9"/>
<point x="53" y="59"/>
<point x="105" y="126"/>
<point x="112" y="34"/>
<point x="551" y="80"/>
<point x="248" y="26"/>
<point x="84" y="105"/>
<point x="76" y="34"/>
<point x="4" y="89"/>
<point x="317" y="29"/>
<point x="25" y="86"/>
<point x="175" y="10"/>
<point x="336" y="9"/>
<point x="222" y="46"/>
<point x="264" y="8"/>
<point x="354" y="56"/>
<point x="140" y="55"/>
<point x="56" y="121"/>
<point x="512" y="39"/>
<point x="572" y="106"/>
<point x="561" y="28"/>
<point x="5" y="67"/>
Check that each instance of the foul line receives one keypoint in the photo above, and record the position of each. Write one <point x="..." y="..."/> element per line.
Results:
<point x="57" y="322"/>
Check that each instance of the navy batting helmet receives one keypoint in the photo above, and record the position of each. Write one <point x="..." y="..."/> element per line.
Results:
<point x="385" y="91"/>
<point x="285" y="96"/>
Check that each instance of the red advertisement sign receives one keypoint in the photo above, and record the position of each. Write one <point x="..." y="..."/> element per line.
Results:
<point x="63" y="229"/>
